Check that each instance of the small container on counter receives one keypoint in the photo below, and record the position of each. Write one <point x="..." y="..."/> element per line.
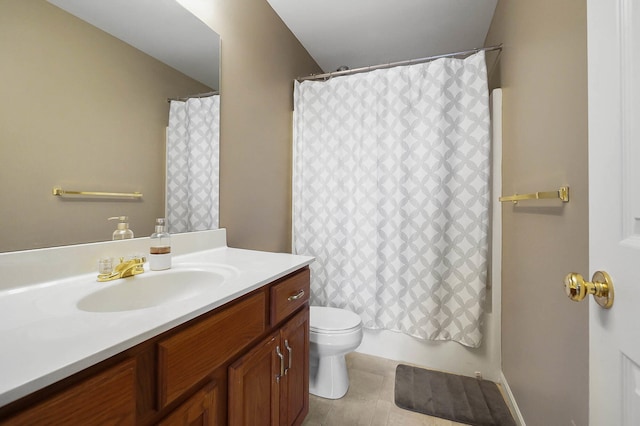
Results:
<point x="160" y="250"/>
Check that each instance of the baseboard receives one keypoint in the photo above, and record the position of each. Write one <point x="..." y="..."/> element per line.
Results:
<point x="511" y="400"/>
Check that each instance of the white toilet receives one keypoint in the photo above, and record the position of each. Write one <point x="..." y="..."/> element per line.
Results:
<point x="333" y="333"/>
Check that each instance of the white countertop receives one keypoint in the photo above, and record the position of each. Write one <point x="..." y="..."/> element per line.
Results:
<point x="45" y="337"/>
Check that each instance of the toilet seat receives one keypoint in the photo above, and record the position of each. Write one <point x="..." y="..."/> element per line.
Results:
<point x="327" y="320"/>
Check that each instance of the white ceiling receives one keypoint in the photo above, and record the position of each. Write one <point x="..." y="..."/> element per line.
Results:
<point x="163" y="29"/>
<point x="360" y="33"/>
<point x="354" y="33"/>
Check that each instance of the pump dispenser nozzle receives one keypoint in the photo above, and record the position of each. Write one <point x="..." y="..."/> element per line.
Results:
<point x="122" y="231"/>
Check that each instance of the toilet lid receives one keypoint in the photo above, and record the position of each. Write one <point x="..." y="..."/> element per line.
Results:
<point x="324" y="319"/>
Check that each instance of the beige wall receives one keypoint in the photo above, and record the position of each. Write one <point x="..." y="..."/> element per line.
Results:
<point x="544" y="76"/>
<point x="260" y="59"/>
<point x="83" y="110"/>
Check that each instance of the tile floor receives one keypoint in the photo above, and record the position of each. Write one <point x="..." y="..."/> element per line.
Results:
<point x="369" y="401"/>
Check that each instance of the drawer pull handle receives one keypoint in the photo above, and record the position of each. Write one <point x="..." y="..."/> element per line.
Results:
<point x="296" y="296"/>
<point x="281" y="364"/>
<point x="286" y="345"/>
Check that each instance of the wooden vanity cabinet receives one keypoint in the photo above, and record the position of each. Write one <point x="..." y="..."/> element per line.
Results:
<point x="200" y="409"/>
<point x="270" y="384"/>
<point x="189" y="375"/>
<point x="187" y="357"/>
<point x="107" y="397"/>
<point x="294" y="386"/>
<point x="253" y="391"/>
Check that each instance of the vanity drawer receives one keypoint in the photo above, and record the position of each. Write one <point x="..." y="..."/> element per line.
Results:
<point x="107" y="397"/>
<point x="288" y="295"/>
<point x="190" y="355"/>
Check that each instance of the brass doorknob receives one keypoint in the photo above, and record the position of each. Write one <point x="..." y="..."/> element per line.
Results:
<point x="601" y="286"/>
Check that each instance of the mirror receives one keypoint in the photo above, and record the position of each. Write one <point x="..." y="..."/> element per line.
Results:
<point x="85" y="111"/>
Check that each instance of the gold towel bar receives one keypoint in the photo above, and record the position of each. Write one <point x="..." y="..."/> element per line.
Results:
<point x="60" y="192"/>
<point x="562" y="194"/>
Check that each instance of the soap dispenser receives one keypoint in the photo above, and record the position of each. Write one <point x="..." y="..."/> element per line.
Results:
<point x="160" y="250"/>
<point x="122" y="232"/>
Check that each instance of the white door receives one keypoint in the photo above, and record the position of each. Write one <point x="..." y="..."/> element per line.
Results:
<point x="614" y="208"/>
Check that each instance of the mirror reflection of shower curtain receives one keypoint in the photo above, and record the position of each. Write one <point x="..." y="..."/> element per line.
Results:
<point x="391" y="195"/>
<point x="193" y="164"/>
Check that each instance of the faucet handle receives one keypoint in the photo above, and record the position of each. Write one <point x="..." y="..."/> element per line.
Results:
<point x="135" y="258"/>
<point x="105" y="265"/>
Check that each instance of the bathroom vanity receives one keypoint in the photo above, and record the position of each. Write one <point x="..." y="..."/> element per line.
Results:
<point x="235" y="353"/>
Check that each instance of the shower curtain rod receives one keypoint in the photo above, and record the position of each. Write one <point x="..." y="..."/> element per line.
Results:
<point x="197" y="95"/>
<point x="395" y="64"/>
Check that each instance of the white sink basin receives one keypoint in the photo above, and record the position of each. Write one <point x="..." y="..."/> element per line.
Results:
<point x="151" y="289"/>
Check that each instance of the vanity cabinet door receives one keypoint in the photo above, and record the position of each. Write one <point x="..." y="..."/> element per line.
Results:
<point x="294" y="387"/>
<point x="108" y="397"/>
<point x="270" y="384"/>
<point x="254" y="394"/>
<point x="199" y="410"/>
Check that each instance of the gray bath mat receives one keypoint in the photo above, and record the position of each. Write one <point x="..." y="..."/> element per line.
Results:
<point x="458" y="398"/>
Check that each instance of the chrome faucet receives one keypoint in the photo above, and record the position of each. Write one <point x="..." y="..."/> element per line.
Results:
<point x="126" y="268"/>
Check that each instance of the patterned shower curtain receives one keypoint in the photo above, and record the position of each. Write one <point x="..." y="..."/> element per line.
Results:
<point x="391" y="195"/>
<point x="193" y="164"/>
